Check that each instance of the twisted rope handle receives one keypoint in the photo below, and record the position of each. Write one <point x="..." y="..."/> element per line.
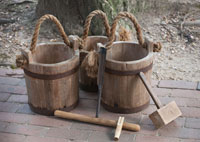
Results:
<point x="133" y="20"/>
<point x="88" y="22"/>
<point x="37" y="29"/>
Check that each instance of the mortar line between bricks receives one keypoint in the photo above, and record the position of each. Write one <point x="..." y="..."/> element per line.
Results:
<point x="8" y="98"/>
<point x="134" y="137"/>
<point x="177" y="88"/>
<point x="157" y="85"/>
<point x="167" y="137"/>
<point x="191" y="128"/>
<point x="21" y="103"/>
<point x="141" y="118"/>
<point x="177" y="137"/>
<point x="15" y="133"/>
<point x="26" y="136"/>
<point x="16" y="94"/>
<point x="177" y="97"/>
<point x="189" y="107"/>
<point x="11" y="93"/>
<point x="9" y="77"/>
<point x="184" y="122"/>
<point x="27" y="123"/>
<point x="12" y="122"/>
<point x="10" y="84"/>
<point x="90" y="134"/>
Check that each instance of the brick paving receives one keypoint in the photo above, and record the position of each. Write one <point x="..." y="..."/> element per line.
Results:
<point x="19" y="124"/>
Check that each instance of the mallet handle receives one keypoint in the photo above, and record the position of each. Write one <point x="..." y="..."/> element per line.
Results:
<point x="98" y="121"/>
<point x="148" y="87"/>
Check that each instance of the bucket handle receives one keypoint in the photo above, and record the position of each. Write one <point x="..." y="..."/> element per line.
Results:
<point x="37" y="29"/>
<point x="88" y="22"/>
<point x="136" y="25"/>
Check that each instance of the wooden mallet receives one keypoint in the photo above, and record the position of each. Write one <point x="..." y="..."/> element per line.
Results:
<point x="98" y="121"/>
<point x="164" y="114"/>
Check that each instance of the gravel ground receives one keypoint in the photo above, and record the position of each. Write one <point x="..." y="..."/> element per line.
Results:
<point x="178" y="60"/>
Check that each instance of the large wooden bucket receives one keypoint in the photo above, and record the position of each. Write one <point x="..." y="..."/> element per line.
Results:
<point x="51" y="73"/>
<point x="123" y="91"/>
<point x="87" y="82"/>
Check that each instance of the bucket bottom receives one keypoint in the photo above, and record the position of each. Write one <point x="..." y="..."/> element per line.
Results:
<point x="124" y="110"/>
<point x="44" y="111"/>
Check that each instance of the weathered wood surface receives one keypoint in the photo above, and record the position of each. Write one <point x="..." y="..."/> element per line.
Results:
<point x="118" y="128"/>
<point x="48" y="94"/>
<point x="98" y="121"/>
<point x="165" y="115"/>
<point x="87" y="83"/>
<point x="126" y="93"/>
<point x="148" y="87"/>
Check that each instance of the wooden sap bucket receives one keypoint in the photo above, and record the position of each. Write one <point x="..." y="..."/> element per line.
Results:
<point x="87" y="82"/>
<point x="123" y="91"/>
<point x="51" y="73"/>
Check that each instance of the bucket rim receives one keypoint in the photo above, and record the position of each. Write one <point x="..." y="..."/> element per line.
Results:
<point x="99" y="36"/>
<point x="76" y="55"/>
<point x="147" y="57"/>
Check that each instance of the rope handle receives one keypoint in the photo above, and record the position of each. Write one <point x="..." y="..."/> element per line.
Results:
<point x="88" y="22"/>
<point x="114" y="26"/>
<point x="37" y="29"/>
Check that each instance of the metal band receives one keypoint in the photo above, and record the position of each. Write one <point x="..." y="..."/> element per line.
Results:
<point x="125" y="110"/>
<point x="45" y="111"/>
<point x="51" y="77"/>
<point x="126" y="73"/>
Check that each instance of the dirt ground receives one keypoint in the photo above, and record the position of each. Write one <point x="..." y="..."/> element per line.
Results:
<point x="178" y="60"/>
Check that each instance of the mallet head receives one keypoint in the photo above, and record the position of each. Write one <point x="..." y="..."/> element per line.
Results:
<point x="165" y="115"/>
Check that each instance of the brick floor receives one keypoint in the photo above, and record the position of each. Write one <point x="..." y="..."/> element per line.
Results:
<point x="19" y="124"/>
<point x="4" y="96"/>
<point x="9" y="107"/>
<point x="25" y="109"/>
<point x="177" y="84"/>
<point x="8" y="137"/>
<point x="18" y="99"/>
<point x="9" y="81"/>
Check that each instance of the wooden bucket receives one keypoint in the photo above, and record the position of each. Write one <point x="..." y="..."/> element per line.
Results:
<point x="88" y="83"/>
<point x="51" y="73"/>
<point x="123" y="91"/>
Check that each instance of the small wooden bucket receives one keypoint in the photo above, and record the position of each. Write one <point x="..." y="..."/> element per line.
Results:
<point x="88" y="83"/>
<point x="123" y="91"/>
<point x="51" y="73"/>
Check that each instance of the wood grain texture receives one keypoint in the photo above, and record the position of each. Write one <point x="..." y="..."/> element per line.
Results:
<point x="98" y="121"/>
<point x="165" y="115"/>
<point x="87" y="83"/>
<point x="126" y="94"/>
<point x="118" y="128"/>
<point x="48" y="95"/>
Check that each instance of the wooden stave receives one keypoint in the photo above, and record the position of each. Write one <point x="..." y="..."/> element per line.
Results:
<point x="52" y="69"/>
